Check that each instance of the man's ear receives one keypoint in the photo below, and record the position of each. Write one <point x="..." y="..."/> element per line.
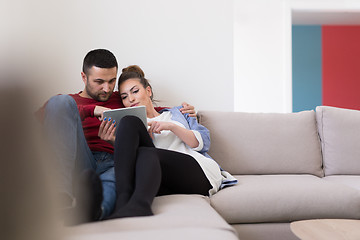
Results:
<point x="83" y="76"/>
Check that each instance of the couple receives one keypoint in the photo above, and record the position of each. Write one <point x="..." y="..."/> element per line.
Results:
<point x="171" y="159"/>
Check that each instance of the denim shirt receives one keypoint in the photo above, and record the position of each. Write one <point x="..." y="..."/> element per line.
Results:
<point x="191" y="123"/>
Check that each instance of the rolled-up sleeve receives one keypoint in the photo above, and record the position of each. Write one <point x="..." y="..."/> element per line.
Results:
<point x="202" y="133"/>
<point x="200" y="140"/>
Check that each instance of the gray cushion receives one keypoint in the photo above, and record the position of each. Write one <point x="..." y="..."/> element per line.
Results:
<point x="285" y="198"/>
<point x="264" y="143"/>
<point x="339" y="130"/>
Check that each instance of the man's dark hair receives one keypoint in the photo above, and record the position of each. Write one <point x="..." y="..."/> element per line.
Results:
<point x="101" y="58"/>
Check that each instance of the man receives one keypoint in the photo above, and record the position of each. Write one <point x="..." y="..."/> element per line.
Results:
<point x="85" y="162"/>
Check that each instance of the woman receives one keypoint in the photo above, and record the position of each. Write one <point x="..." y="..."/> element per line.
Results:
<point x="167" y="158"/>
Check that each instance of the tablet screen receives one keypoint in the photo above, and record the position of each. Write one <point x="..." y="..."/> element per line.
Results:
<point x="118" y="114"/>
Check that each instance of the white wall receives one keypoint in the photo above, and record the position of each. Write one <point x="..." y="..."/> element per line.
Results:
<point x="259" y="56"/>
<point x="215" y="54"/>
<point x="185" y="47"/>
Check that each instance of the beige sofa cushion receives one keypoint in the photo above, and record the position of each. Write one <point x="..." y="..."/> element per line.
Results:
<point x="264" y="143"/>
<point x="348" y="180"/>
<point x="176" y="217"/>
<point x="159" y="234"/>
<point x="339" y="130"/>
<point x="285" y="198"/>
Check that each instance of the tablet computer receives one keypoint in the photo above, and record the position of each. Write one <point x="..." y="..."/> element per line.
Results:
<point x="118" y="114"/>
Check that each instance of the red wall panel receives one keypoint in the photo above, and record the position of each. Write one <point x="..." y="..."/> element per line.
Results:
<point x="341" y="66"/>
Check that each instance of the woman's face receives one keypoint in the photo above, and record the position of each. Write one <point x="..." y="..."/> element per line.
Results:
<point x="133" y="93"/>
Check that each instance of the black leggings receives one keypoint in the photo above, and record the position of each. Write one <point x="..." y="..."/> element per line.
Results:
<point x="143" y="171"/>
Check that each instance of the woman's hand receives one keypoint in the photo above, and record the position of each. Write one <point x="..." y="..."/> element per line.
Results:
<point x="187" y="136"/>
<point x="157" y="127"/>
<point x="187" y="108"/>
<point x="107" y="130"/>
<point x="99" y="110"/>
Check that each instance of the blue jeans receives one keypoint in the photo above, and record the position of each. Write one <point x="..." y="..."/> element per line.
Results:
<point x="73" y="155"/>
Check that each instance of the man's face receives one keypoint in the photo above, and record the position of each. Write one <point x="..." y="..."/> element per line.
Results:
<point x="99" y="83"/>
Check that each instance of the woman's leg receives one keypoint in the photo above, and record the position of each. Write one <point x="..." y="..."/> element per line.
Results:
<point x="140" y="169"/>
<point x="134" y="164"/>
<point x="147" y="183"/>
<point x="181" y="174"/>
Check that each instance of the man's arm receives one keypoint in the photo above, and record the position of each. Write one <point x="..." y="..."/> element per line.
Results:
<point x="99" y="111"/>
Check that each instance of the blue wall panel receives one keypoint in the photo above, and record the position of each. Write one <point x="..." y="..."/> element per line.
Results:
<point x="306" y="67"/>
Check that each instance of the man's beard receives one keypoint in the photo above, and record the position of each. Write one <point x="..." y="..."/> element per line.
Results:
<point x="97" y="96"/>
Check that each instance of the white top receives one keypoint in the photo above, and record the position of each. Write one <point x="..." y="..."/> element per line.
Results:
<point x="168" y="140"/>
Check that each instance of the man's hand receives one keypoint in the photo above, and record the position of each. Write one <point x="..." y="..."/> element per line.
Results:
<point x="98" y="112"/>
<point x="107" y="130"/>
<point x="187" y="108"/>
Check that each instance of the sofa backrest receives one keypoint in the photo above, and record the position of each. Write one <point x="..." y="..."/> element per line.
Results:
<point x="339" y="130"/>
<point x="264" y="143"/>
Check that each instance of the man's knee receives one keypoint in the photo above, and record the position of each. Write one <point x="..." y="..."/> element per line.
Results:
<point x="60" y="103"/>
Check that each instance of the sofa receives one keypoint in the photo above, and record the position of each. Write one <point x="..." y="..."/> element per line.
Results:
<point x="289" y="167"/>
